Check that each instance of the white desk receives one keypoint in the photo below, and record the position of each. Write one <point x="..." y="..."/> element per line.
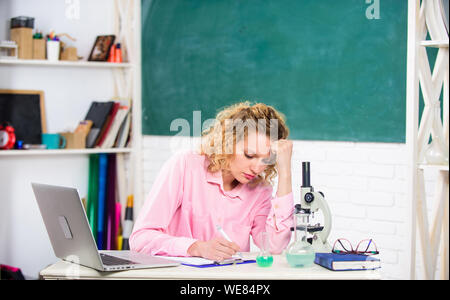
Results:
<point x="279" y="270"/>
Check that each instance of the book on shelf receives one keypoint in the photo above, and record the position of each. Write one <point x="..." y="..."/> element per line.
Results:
<point x="121" y="181"/>
<point x="116" y="125"/>
<point x="107" y="125"/>
<point x="124" y="131"/>
<point x="129" y="136"/>
<point x="110" y="212"/>
<point x="98" y="113"/>
<point x="92" y="197"/>
<point x="102" y="183"/>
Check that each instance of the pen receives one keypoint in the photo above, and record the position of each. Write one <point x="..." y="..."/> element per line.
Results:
<point x="219" y="228"/>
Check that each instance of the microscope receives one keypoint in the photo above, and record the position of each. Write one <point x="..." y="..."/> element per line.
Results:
<point x="310" y="203"/>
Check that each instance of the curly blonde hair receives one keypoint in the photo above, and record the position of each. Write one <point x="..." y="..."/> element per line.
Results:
<point x="234" y="123"/>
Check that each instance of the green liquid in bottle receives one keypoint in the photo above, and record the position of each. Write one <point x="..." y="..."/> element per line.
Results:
<point x="300" y="260"/>
<point x="264" y="261"/>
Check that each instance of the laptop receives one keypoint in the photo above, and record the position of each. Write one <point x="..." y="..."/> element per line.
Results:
<point x="71" y="237"/>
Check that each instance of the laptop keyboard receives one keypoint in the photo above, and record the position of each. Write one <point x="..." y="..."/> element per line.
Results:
<point x="109" y="260"/>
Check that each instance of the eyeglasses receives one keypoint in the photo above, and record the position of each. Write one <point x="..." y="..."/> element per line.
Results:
<point x="366" y="247"/>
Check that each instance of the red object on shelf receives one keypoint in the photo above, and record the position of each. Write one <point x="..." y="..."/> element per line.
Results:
<point x="118" y="53"/>
<point x="7" y="136"/>
<point x="112" y="53"/>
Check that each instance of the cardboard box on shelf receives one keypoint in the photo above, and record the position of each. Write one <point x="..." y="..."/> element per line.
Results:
<point x="23" y="36"/>
<point x="69" y="53"/>
<point x="74" y="140"/>
<point x="38" y="49"/>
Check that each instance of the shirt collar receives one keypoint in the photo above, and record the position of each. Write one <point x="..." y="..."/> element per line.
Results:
<point x="216" y="178"/>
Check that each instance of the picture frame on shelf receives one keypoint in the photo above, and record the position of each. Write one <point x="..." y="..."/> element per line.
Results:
<point x="101" y="48"/>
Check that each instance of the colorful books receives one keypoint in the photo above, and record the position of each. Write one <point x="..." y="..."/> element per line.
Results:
<point x="111" y="124"/>
<point x="347" y="262"/>
<point x="106" y="190"/>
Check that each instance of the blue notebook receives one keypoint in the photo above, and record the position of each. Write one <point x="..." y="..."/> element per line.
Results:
<point x="347" y="262"/>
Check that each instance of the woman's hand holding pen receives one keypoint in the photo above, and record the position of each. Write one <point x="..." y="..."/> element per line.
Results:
<point x="215" y="249"/>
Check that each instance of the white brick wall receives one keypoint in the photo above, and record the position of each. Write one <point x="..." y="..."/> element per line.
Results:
<point x="364" y="185"/>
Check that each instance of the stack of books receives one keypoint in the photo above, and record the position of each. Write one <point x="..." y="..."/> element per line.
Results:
<point x="106" y="198"/>
<point x="111" y="124"/>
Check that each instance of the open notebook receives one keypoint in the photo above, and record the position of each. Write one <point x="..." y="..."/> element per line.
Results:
<point x="203" y="262"/>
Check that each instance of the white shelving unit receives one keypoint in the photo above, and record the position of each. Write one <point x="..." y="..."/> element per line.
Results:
<point x="126" y="83"/>
<point x="433" y="167"/>
<point x="426" y="18"/>
<point x="76" y="64"/>
<point x="435" y="44"/>
<point x="64" y="151"/>
<point x="69" y="88"/>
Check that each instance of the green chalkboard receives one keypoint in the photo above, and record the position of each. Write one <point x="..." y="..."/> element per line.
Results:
<point x="334" y="72"/>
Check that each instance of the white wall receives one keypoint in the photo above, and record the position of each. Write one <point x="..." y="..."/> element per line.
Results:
<point x="364" y="185"/>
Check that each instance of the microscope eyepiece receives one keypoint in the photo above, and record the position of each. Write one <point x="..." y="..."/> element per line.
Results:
<point x="306" y="174"/>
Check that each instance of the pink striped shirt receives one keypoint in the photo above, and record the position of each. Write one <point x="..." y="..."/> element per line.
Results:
<point x="186" y="203"/>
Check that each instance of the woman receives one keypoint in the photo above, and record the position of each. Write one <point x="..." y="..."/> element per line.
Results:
<point x="226" y="184"/>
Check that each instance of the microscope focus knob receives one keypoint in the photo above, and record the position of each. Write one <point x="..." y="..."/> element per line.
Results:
<point x="309" y="197"/>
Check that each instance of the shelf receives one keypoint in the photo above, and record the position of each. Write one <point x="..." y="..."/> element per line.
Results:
<point x="63" y="151"/>
<point x="77" y="64"/>
<point x="433" y="167"/>
<point x="435" y="44"/>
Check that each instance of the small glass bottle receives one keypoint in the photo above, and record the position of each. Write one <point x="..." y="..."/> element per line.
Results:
<point x="264" y="258"/>
<point x="300" y="253"/>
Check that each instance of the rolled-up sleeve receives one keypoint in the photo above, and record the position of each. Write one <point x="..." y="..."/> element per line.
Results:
<point x="150" y="230"/>
<point x="274" y="215"/>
